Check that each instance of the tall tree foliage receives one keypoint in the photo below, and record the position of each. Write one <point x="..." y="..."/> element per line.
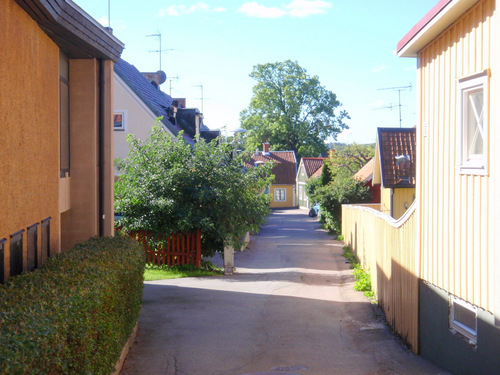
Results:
<point x="291" y="110"/>
<point x="338" y="186"/>
<point x="168" y="186"/>
<point x="349" y="159"/>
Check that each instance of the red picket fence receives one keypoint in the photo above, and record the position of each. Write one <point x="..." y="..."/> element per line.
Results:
<point x="173" y="250"/>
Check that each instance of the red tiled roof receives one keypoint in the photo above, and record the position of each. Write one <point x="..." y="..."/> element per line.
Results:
<point x="285" y="169"/>
<point x="311" y="165"/>
<point x="397" y="144"/>
<point x="318" y="172"/>
<point x="365" y="174"/>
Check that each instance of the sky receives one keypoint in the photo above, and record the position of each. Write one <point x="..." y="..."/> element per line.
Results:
<point x="209" y="48"/>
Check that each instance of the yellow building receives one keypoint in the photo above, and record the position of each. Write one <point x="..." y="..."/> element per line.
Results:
<point x="56" y="115"/>
<point x="394" y="169"/>
<point x="283" y="194"/>
<point x="458" y="183"/>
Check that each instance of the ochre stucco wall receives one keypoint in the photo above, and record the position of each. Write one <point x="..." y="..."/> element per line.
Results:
<point x="289" y="197"/>
<point x="29" y="126"/>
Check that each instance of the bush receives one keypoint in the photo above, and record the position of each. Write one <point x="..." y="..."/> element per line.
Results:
<point x="74" y="314"/>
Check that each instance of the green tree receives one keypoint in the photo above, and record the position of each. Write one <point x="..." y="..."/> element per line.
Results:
<point x="168" y="186"/>
<point x="337" y="186"/>
<point x="291" y="110"/>
<point x="348" y="159"/>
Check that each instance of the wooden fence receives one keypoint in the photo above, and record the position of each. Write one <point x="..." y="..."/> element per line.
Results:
<point x="386" y="249"/>
<point x="170" y="250"/>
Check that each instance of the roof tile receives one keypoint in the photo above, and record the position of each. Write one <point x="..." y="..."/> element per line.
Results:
<point x="285" y="170"/>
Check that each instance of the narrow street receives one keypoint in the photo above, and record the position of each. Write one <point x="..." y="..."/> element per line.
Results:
<point x="290" y="309"/>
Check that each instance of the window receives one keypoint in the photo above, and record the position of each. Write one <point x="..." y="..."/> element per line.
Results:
<point x="45" y="239"/>
<point x="463" y="318"/>
<point x="64" y="133"/>
<point x="280" y="195"/>
<point x="473" y="120"/>
<point x="120" y="120"/>
<point x="16" y="253"/>
<point x="32" y="246"/>
<point x="2" y="254"/>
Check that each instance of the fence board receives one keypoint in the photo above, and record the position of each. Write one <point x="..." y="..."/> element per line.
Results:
<point x="386" y="249"/>
<point x="170" y="250"/>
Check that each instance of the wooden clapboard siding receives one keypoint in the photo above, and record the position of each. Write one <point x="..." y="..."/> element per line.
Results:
<point x="400" y="198"/>
<point x="454" y="225"/>
<point x="386" y="249"/>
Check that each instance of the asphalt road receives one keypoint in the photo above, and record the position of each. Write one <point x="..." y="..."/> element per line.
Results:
<point x="289" y="309"/>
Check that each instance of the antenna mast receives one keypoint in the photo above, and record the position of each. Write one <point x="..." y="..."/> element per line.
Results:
<point x="170" y="79"/>
<point x="109" y="14"/>
<point x="159" y="50"/>
<point x="398" y="89"/>
<point x="201" y="87"/>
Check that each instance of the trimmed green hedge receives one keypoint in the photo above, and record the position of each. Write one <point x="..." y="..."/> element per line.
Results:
<point x="74" y="314"/>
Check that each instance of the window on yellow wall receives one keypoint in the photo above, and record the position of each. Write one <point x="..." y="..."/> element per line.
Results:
<point x="2" y="254"/>
<point x="473" y="122"/>
<point x="16" y="253"/>
<point x="120" y="120"/>
<point x="280" y="195"/>
<point x="64" y="124"/>
<point x="463" y="318"/>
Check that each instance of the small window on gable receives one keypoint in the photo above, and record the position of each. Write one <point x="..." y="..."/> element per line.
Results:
<point x="2" y="264"/>
<point x="473" y="121"/>
<point x="280" y="195"/>
<point x="16" y="253"/>
<point x="463" y="318"/>
<point x="120" y="120"/>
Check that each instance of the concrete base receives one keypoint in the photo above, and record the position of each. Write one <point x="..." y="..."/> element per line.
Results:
<point x="450" y="350"/>
<point x="126" y="348"/>
<point x="228" y="260"/>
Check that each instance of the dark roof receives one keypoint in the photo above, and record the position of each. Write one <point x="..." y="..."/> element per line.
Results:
<point x="285" y="169"/>
<point x="73" y="30"/>
<point x="311" y="165"/>
<point x="397" y="153"/>
<point x="186" y="118"/>
<point x="156" y="100"/>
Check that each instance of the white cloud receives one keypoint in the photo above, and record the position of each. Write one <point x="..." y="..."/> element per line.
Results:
<point x="254" y="9"/>
<point x="115" y="24"/>
<point x="304" y="8"/>
<point x="296" y="8"/>
<point x="379" y="68"/>
<point x="178" y="10"/>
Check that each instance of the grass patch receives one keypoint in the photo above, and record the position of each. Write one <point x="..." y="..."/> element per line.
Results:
<point x="363" y="281"/>
<point x="155" y="272"/>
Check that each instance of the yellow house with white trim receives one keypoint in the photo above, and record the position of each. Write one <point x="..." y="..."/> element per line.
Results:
<point x="458" y="183"/>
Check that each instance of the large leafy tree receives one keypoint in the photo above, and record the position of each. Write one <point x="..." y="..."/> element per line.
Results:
<point x="291" y="110"/>
<point x="337" y="185"/>
<point x="168" y="186"/>
<point x="348" y="159"/>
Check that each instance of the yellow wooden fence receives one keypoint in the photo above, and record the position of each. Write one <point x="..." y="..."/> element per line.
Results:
<point x="386" y="249"/>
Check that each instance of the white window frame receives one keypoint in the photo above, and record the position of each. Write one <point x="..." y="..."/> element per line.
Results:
<point x="456" y="325"/>
<point x="276" y="193"/>
<point x="124" y="114"/>
<point x="468" y="163"/>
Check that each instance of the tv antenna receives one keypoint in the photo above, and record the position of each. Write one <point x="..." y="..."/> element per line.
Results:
<point x="398" y="89"/>
<point x="201" y="87"/>
<point x="109" y="14"/>
<point x="170" y="79"/>
<point x="159" y="50"/>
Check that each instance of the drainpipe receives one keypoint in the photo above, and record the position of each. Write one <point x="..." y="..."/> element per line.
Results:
<point x="101" y="147"/>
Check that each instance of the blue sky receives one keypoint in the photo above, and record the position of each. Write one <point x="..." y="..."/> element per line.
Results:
<point x="349" y="44"/>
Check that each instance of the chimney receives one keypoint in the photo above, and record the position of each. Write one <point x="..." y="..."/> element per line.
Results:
<point x="265" y="147"/>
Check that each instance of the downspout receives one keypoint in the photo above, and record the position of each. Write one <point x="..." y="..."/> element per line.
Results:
<point x="101" y="155"/>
